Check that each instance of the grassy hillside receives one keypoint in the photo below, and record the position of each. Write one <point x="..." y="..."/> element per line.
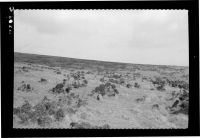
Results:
<point x="65" y="62"/>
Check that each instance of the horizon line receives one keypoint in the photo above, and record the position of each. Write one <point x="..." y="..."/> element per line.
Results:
<point x="103" y="60"/>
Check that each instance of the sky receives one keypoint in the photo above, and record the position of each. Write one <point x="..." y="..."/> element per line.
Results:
<point x="157" y="37"/>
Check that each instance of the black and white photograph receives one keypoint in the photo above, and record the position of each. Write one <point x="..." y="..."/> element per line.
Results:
<point x="101" y="69"/>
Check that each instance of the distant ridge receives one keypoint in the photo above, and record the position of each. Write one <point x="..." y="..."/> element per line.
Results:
<point x="66" y="62"/>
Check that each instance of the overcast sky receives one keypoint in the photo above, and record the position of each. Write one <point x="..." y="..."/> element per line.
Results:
<point x="133" y="36"/>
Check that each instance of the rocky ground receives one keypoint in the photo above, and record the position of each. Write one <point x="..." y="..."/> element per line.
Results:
<point x="96" y="98"/>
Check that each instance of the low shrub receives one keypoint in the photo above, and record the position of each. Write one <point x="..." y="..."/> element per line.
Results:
<point x="16" y="111"/>
<point x="58" y="72"/>
<point x="142" y="99"/>
<point x="184" y="107"/>
<point x="121" y="81"/>
<point x="71" y="110"/>
<point x="181" y="103"/>
<point x="158" y="81"/>
<point x="86" y="125"/>
<point x="116" y="76"/>
<point x="23" y="118"/>
<point x="161" y="87"/>
<point x="85" y="82"/>
<point x="116" y="91"/>
<point x="82" y="72"/>
<point x="68" y="89"/>
<point x="128" y="85"/>
<point x="26" y="107"/>
<point x="105" y="126"/>
<point x="102" y="80"/>
<point x="25" y="87"/>
<point x="179" y="84"/>
<point x="64" y="100"/>
<point x="72" y="95"/>
<point x="136" y="85"/>
<point x="184" y="95"/>
<point x="113" y="81"/>
<point x="58" y="89"/>
<point x="75" y="85"/>
<point x="64" y="81"/>
<point x="76" y="76"/>
<point x="41" y="113"/>
<point x="43" y="80"/>
<point x="59" y="115"/>
<point x="89" y="72"/>
<point x="100" y="89"/>
<point x="44" y="121"/>
<point x="25" y="69"/>
<point x="82" y="125"/>
<point x="155" y="106"/>
<point x="106" y="89"/>
<point x="81" y="102"/>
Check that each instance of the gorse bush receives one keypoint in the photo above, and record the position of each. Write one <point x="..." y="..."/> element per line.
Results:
<point x="79" y="83"/>
<point x="42" y="113"/>
<point x="16" y="111"/>
<point x="58" y="89"/>
<point x="161" y="87"/>
<point x="44" y="121"/>
<point x="23" y="112"/>
<point x="179" y="84"/>
<point x="26" y="107"/>
<point x="181" y="103"/>
<point x="100" y="89"/>
<point x="158" y="81"/>
<point x="77" y="75"/>
<point x="61" y="88"/>
<point x="59" y="115"/>
<point x="160" y="84"/>
<point x="106" y="89"/>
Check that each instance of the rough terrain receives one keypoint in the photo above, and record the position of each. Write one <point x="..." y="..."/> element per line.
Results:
<point x="55" y="92"/>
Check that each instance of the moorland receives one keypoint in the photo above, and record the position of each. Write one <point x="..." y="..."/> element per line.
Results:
<point x="60" y="92"/>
